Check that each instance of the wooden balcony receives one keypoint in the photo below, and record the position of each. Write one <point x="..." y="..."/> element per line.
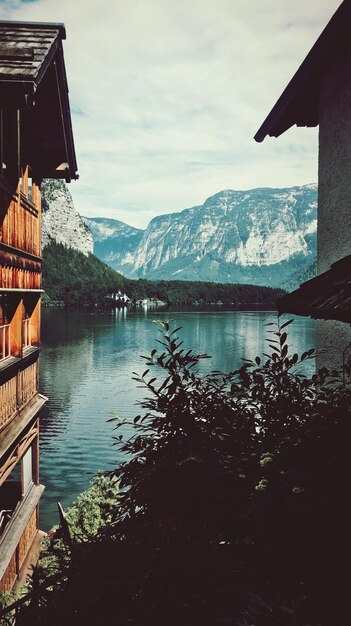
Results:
<point x="16" y="392"/>
<point x="19" y="220"/>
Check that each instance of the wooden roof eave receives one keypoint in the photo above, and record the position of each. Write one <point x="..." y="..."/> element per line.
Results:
<point x="295" y="105"/>
<point x="22" y="92"/>
<point x="52" y="168"/>
<point x="36" y="78"/>
<point x="48" y="60"/>
<point x="17" y="24"/>
<point x="67" y="122"/>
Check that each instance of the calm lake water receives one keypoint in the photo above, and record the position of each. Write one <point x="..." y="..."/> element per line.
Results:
<point x="86" y="367"/>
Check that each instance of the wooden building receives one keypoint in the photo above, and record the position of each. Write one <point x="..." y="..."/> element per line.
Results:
<point x="36" y="142"/>
<point x="320" y="94"/>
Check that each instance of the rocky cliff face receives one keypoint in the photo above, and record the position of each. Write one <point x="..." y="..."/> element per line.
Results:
<point x="259" y="236"/>
<point x="61" y="222"/>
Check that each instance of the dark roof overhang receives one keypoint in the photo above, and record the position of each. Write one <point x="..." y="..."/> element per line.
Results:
<point x="17" y="94"/>
<point x="327" y="296"/>
<point x="33" y="79"/>
<point x="299" y="102"/>
<point x="55" y="154"/>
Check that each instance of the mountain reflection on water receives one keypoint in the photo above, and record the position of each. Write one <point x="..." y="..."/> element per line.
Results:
<point x="86" y="367"/>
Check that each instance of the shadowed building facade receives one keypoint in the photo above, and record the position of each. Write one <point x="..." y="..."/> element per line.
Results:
<point x="36" y="142"/>
<point x="320" y="93"/>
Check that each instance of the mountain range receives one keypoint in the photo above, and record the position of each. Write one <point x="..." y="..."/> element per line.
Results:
<point x="260" y="236"/>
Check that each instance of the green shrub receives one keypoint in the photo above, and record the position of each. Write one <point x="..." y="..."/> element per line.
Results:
<point x="86" y="518"/>
<point x="232" y="500"/>
<point x="93" y="509"/>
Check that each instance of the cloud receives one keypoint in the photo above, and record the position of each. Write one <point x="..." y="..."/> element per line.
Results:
<point x="166" y="97"/>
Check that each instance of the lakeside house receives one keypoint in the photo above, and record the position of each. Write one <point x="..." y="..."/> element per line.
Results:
<point x="36" y="142"/>
<point x="320" y="93"/>
<point x="119" y="299"/>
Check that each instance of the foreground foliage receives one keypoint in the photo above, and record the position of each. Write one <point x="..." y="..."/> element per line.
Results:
<point x="86" y="518"/>
<point x="231" y="505"/>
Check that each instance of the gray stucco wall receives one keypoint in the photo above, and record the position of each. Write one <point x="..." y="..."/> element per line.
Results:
<point x="334" y="194"/>
<point x="332" y="339"/>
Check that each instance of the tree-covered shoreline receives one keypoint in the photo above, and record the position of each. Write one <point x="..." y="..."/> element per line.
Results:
<point x="72" y="278"/>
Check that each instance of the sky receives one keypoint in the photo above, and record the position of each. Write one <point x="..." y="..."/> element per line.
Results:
<point x="166" y="96"/>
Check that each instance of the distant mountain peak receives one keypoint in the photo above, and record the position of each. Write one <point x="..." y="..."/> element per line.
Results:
<point x="106" y="227"/>
<point x="260" y="236"/>
<point x="113" y="239"/>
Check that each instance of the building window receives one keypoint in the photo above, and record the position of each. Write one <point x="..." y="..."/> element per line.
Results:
<point x="16" y="486"/>
<point x="30" y="185"/>
<point x="26" y="185"/>
<point x="27" y="471"/>
<point x="10" y="496"/>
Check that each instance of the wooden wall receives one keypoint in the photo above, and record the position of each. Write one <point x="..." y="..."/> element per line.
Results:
<point x="19" y="555"/>
<point x="20" y="269"/>
<point x="20" y="219"/>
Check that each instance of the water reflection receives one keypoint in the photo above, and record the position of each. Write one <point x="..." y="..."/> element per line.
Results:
<point x="86" y="368"/>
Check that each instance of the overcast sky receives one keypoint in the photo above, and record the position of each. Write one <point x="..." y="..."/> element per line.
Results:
<point x="166" y="96"/>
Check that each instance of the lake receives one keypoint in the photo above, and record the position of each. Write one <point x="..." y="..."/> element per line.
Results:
<point x="86" y="367"/>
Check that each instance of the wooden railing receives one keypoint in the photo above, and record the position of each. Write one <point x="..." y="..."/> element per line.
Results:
<point x="19" y="221"/>
<point x="5" y="346"/>
<point x="16" y="392"/>
<point x="27" y="384"/>
<point x="8" y="401"/>
<point x="26" y="333"/>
